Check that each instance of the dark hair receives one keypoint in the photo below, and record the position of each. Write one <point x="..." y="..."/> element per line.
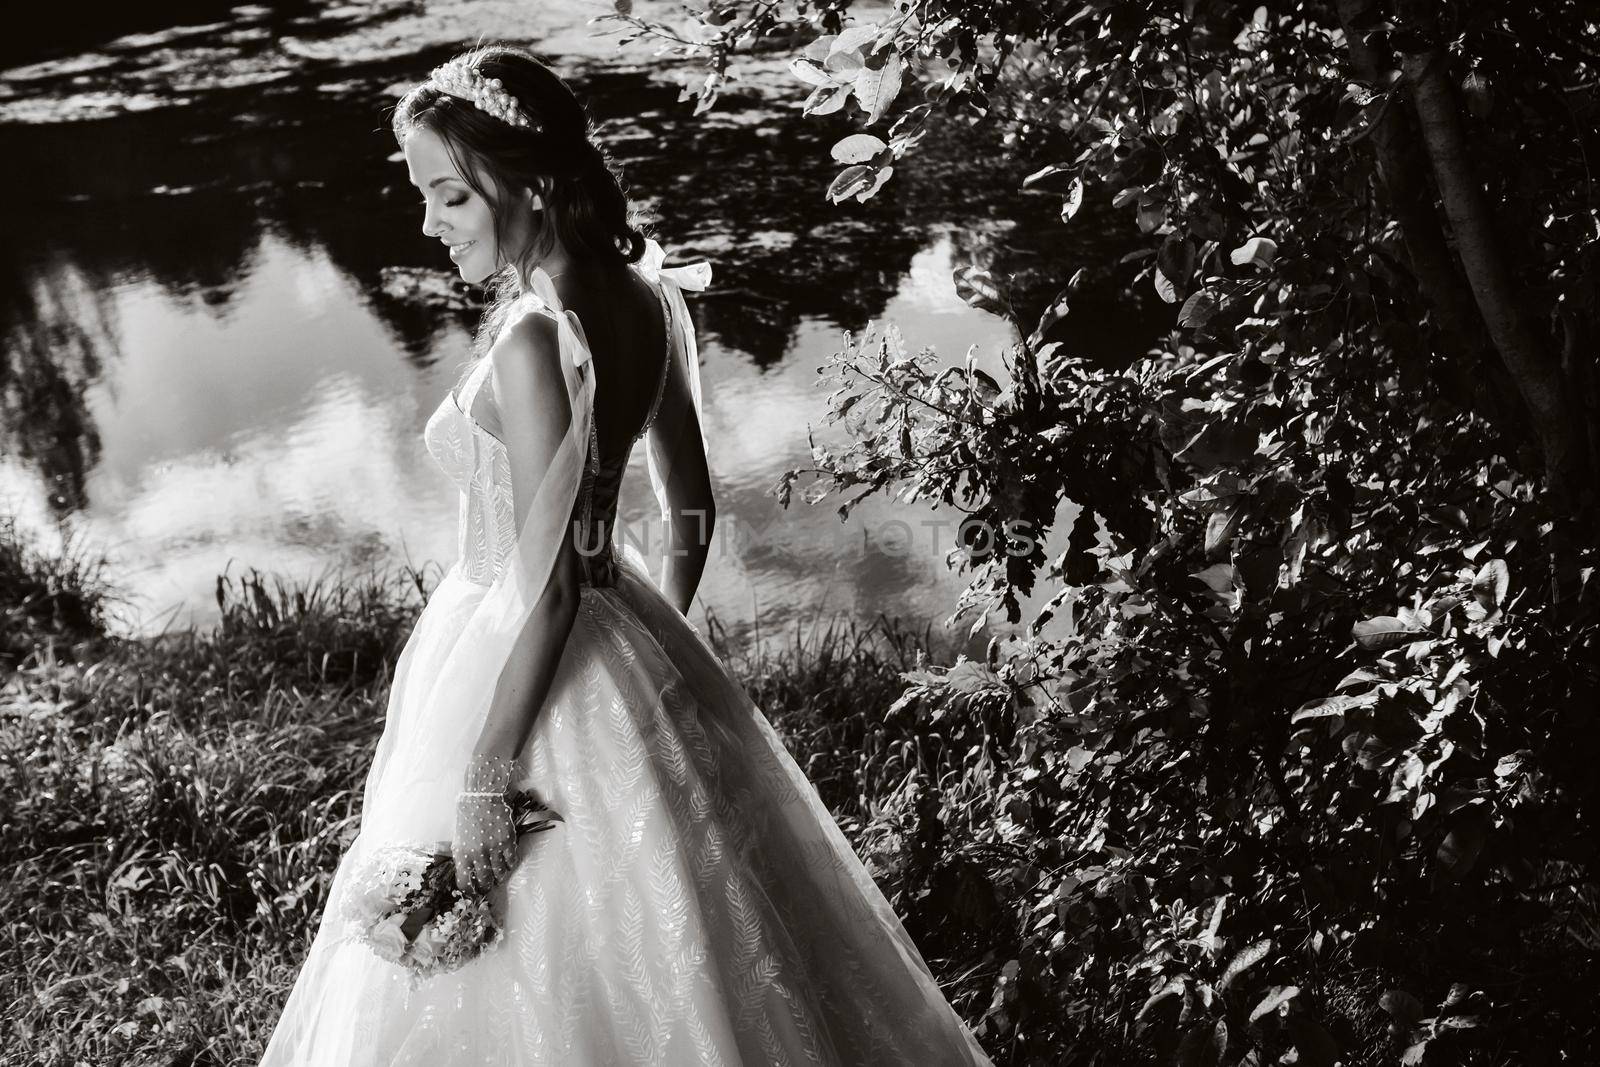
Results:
<point x="585" y="207"/>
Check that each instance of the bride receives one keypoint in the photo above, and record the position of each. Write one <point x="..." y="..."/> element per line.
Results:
<point x="698" y="904"/>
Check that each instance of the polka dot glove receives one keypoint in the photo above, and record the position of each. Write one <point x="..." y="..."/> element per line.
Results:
<point x="485" y="842"/>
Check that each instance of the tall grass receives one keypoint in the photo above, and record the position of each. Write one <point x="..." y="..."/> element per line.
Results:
<point x="48" y="595"/>
<point x="175" y="806"/>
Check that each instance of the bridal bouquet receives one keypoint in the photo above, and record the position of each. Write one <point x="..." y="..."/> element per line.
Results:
<point x="404" y="904"/>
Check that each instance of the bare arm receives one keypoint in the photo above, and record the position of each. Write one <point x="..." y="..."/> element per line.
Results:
<point x="535" y="416"/>
<point x="528" y="385"/>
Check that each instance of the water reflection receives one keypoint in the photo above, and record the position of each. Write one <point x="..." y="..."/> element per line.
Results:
<point x="208" y="363"/>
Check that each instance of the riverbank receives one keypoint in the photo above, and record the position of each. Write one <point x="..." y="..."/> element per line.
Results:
<point x="227" y="337"/>
<point x="178" y="803"/>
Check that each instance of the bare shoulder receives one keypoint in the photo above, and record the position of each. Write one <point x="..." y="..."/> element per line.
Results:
<point x="527" y="351"/>
<point x="532" y="335"/>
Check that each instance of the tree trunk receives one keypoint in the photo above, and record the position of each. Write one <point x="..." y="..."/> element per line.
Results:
<point x="1526" y="353"/>
<point x="1481" y="382"/>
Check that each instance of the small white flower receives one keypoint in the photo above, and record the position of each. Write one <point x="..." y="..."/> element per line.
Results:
<point x="387" y="939"/>
<point x="425" y="949"/>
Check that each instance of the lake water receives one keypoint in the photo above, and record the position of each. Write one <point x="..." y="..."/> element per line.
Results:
<point x="220" y="347"/>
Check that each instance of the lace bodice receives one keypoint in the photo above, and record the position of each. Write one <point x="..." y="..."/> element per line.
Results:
<point x="476" y="461"/>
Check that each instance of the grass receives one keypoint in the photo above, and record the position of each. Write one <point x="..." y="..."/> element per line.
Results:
<point x="47" y="595"/>
<point x="176" y="805"/>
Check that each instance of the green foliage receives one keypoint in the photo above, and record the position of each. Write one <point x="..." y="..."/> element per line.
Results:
<point x="1309" y="777"/>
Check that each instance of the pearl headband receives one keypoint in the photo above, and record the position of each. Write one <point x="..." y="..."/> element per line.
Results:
<point x="460" y="78"/>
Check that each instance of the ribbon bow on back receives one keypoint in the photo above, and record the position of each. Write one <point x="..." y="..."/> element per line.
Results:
<point x="673" y="280"/>
<point x="693" y="276"/>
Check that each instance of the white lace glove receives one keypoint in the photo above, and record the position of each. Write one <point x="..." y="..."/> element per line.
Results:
<point x="485" y="842"/>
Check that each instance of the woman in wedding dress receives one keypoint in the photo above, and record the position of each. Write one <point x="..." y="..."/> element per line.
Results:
<point x="698" y="904"/>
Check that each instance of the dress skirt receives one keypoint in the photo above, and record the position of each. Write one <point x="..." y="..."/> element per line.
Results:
<point x="698" y="905"/>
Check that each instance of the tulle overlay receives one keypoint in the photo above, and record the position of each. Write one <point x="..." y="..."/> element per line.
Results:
<point x="698" y="905"/>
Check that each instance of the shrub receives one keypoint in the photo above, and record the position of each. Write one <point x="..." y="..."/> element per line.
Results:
<point x="1306" y="777"/>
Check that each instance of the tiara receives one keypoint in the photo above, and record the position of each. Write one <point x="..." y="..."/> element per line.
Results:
<point x="460" y="78"/>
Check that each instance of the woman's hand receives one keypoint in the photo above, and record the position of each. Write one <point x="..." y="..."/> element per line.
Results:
<point x="485" y="842"/>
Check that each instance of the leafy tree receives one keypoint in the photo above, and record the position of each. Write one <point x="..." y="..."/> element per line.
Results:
<point x="1309" y="776"/>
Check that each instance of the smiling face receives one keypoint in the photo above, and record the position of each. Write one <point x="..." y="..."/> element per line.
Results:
<point x="455" y="213"/>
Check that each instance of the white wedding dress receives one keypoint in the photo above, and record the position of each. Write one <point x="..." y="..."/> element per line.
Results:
<point x="699" y="906"/>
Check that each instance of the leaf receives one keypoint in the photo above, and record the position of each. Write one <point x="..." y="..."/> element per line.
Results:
<point x="850" y="181"/>
<point x="1491" y="583"/>
<point x="979" y="289"/>
<point x="880" y="176"/>
<point x="622" y="7"/>
<point x="1176" y="262"/>
<point x="1385" y="632"/>
<point x="818" y="50"/>
<point x="1216" y="920"/>
<point x="826" y="99"/>
<point x="1198" y="309"/>
<point x="857" y="148"/>
<point x="1219" y="1041"/>
<point x="853" y="38"/>
<point x="1356" y="677"/>
<point x="1248" y="957"/>
<point x="1053" y="314"/>
<point x="1259" y="251"/>
<point x="1171" y="989"/>
<point x="843" y="66"/>
<point x="1220" y="528"/>
<point x="1164" y="287"/>
<point x="1276" y="997"/>
<point x="809" y="72"/>
<point x="876" y="89"/>
<point x="1220" y="578"/>
<point x="1041" y="180"/>
<point x="970" y="678"/>
<point x="1072" y="201"/>
<point x="1327" y="707"/>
